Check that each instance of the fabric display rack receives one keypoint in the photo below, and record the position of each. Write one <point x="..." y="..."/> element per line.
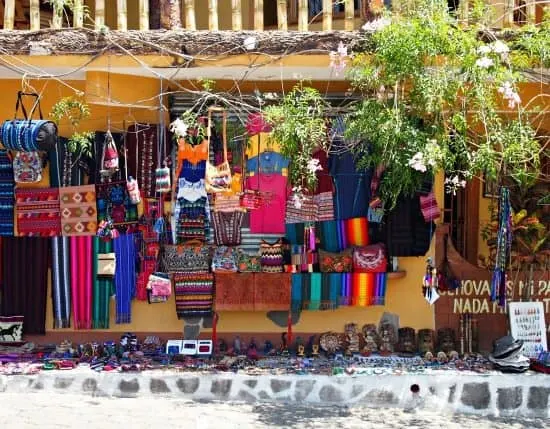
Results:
<point x="100" y="224"/>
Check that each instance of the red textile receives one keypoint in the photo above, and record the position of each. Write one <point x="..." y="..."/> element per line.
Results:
<point x="38" y="212"/>
<point x="234" y="292"/>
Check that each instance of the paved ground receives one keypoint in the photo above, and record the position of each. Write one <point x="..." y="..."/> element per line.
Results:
<point x="49" y="411"/>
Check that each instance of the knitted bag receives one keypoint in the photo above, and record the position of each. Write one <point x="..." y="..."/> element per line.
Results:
<point x="185" y="258"/>
<point x="272" y="257"/>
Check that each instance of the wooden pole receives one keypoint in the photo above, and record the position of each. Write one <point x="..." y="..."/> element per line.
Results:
<point x="78" y="14"/>
<point x="258" y="15"/>
<point x="190" y="22"/>
<point x="213" y="15"/>
<point x="57" y="17"/>
<point x="122" y="15"/>
<point x="282" y="18"/>
<point x="508" y="19"/>
<point x="144" y="14"/>
<point x="35" y="14"/>
<point x="303" y="18"/>
<point x="99" y="14"/>
<point x="464" y="12"/>
<point x="327" y="15"/>
<point x="9" y="14"/>
<point x="237" y="15"/>
<point x="531" y="11"/>
<point x="349" y="22"/>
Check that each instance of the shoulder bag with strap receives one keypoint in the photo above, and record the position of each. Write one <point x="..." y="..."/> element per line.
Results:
<point x="218" y="178"/>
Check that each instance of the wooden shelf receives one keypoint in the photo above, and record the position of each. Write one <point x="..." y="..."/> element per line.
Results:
<point x="397" y="274"/>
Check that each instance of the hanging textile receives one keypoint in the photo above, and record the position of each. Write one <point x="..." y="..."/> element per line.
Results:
<point x="357" y="232"/>
<point x="7" y="194"/>
<point x="38" y="213"/>
<point x="194" y="293"/>
<point x="102" y="288"/>
<point x="316" y="291"/>
<point x="296" y="291"/>
<point x="78" y="210"/>
<point x="99" y="144"/>
<point x="363" y="285"/>
<point x="147" y="245"/>
<point x="114" y="203"/>
<point x="61" y="282"/>
<point x="234" y="292"/>
<point x="504" y="244"/>
<point x="328" y="236"/>
<point x="346" y="289"/>
<point x="125" y="276"/>
<point x="81" y="280"/>
<point x="272" y="292"/>
<point x="330" y="290"/>
<point x="25" y="281"/>
<point x="381" y="283"/>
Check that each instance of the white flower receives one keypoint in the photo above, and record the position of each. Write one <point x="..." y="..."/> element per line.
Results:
<point x="313" y="165"/>
<point x="509" y="94"/>
<point x="377" y="24"/>
<point x="484" y="49"/>
<point x="249" y="43"/>
<point x="342" y="50"/>
<point x="484" y="62"/>
<point x="179" y="128"/>
<point x="500" y="47"/>
<point x="270" y="96"/>
<point x="417" y="162"/>
<point x="453" y="183"/>
<point x="297" y="197"/>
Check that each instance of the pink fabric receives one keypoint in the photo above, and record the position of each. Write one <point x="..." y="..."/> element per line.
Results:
<point x="270" y="217"/>
<point x="81" y="280"/>
<point x="256" y="124"/>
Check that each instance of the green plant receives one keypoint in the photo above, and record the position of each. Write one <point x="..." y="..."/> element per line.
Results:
<point x="60" y="5"/>
<point x="74" y="110"/>
<point x="434" y="93"/>
<point x="299" y="127"/>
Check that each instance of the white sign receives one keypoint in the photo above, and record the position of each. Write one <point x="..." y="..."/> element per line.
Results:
<point x="527" y="324"/>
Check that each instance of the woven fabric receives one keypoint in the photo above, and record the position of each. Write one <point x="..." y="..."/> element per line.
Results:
<point x="113" y="202"/>
<point x="362" y="292"/>
<point x="125" y="276"/>
<point x="307" y="212"/>
<point x="7" y="194"/>
<point x="81" y="280"/>
<point x="102" y="288"/>
<point x="227" y="227"/>
<point x="357" y="231"/>
<point x="325" y="206"/>
<point x="38" y="213"/>
<point x="429" y="207"/>
<point x="61" y="282"/>
<point x="272" y="292"/>
<point x="235" y="292"/>
<point x="381" y="283"/>
<point x="272" y="257"/>
<point x="78" y="210"/>
<point x="316" y="291"/>
<point x="194" y="292"/>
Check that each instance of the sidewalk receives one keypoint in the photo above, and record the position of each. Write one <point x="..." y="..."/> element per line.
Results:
<point x="523" y="395"/>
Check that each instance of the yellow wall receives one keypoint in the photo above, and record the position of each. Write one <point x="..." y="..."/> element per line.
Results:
<point x="403" y="295"/>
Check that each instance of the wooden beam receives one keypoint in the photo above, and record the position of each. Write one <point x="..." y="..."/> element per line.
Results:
<point x="190" y="22"/>
<point x="237" y="15"/>
<point x="99" y="17"/>
<point x="144" y="14"/>
<point x="9" y="14"/>
<point x="327" y="15"/>
<point x="282" y="18"/>
<point x="78" y="14"/>
<point x="122" y="15"/>
<point x="213" y="24"/>
<point x="258" y="15"/>
<point x="303" y="17"/>
<point x="35" y="14"/>
<point x="349" y="22"/>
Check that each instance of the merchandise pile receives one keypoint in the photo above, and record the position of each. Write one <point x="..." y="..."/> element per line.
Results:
<point x="507" y="355"/>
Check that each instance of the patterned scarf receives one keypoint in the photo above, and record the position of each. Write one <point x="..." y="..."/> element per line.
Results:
<point x="81" y="280"/>
<point x="102" y="289"/>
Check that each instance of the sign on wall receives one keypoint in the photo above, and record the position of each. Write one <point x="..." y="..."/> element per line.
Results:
<point x="527" y="323"/>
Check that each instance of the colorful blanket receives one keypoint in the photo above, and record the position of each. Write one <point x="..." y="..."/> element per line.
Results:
<point x="7" y="196"/>
<point x="38" y="212"/>
<point x="78" y="210"/>
<point x="271" y="292"/>
<point x="316" y="291"/>
<point x="194" y="293"/>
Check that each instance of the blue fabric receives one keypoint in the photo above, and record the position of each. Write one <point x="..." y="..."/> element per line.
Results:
<point x="193" y="172"/>
<point x="125" y="276"/>
<point x="296" y="292"/>
<point x="270" y="162"/>
<point x="7" y="195"/>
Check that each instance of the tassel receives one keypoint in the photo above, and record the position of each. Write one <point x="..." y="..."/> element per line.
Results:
<point x="215" y="333"/>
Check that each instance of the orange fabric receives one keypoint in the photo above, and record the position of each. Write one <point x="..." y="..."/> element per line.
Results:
<point x="193" y="154"/>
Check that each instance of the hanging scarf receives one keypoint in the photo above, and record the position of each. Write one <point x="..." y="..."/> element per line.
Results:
<point x="102" y="288"/>
<point x="61" y="282"/>
<point x="296" y="292"/>
<point x="125" y="276"/>
<point x="381" y="282"/>
<point x="25" y="281"/>
<point x="7" y="195"/>
<point x="330" y="290"/>
<point x="81" y="280"/>
<point x="504" y="244"/>
<point x="345" y="290"/>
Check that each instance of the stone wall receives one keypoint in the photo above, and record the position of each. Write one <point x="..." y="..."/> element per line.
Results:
<point x="497" y="395"/>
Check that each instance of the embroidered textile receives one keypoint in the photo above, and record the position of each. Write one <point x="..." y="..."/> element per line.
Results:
<point x="7" y="194"/>
<point x="38" y="213"/>
<point x="113" y="202"/>
<point x="272" y="257"/>
<point x="227" y="227"/>
<point x="194" y="293"/>
<point x="235" y="292"/>
<point x="78" y="210"/>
